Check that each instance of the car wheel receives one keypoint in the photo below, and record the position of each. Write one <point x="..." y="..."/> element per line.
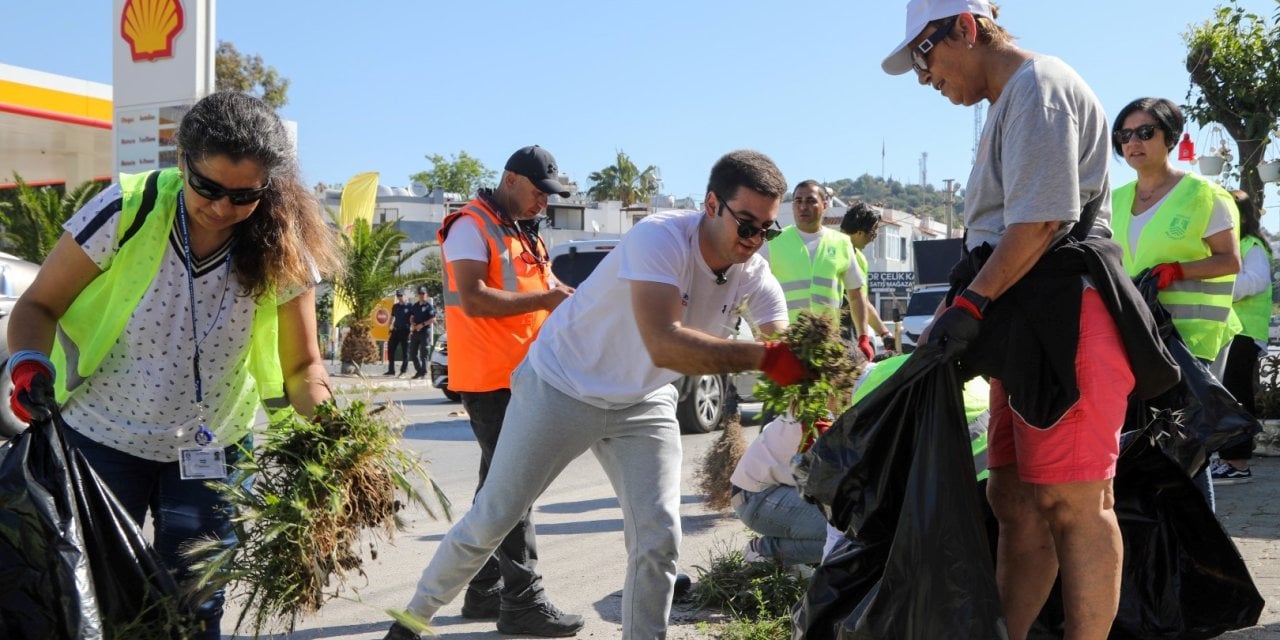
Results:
<point x="452" y="395"/>
<point x="702" y="410"/>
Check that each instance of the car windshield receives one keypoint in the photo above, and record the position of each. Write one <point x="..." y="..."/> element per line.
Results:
<point x="924" y="303"/>
<point x="574" y="267"/>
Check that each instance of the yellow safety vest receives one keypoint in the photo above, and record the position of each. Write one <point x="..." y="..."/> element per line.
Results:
<point x="97" y="317"/>
<point x="1255" y="310"/>
<point x="811" y="283"/>
<point x="1201" y="309"/>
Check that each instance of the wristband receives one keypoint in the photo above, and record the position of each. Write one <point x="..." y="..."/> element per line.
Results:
<point x="24" y="355"/>
<point x="980" y="302"/>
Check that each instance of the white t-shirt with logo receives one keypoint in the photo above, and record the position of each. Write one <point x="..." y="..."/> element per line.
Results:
<point x="590" y="347"/>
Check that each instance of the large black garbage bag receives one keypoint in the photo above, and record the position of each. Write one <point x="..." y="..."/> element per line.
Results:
<point x="1198" y="415"/>
<point x="1183" y="577"/>
<point x="73" y="564"/>
<point x="897" y="472"/>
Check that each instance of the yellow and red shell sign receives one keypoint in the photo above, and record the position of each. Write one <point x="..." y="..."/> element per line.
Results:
<point x="150" y="27"/>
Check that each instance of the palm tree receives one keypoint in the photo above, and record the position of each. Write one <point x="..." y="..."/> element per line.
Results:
<point x="373" y="261"/>
<point x="624" y="181"/>
<point x="33" y="221"/>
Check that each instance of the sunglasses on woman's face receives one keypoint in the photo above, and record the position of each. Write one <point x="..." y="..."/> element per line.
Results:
<point x="213" y="192"/>
<point x="1145" y="133"/>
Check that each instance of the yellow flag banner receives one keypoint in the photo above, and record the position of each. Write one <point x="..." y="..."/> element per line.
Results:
<point x="359" y="196"/>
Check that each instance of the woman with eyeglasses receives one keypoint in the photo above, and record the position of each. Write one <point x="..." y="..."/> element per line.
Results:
<point x="174" y="303"/>
<point x="1181" y="226"/>
<point x="1041" y="304"/>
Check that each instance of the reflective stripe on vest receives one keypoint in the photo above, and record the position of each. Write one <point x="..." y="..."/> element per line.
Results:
<point x="90" y="327"/>
<point x="483" y="351"/>
<point x="1255" y="310"/>
<point x="1201" y="309"/>
<point x="811" y="283"/>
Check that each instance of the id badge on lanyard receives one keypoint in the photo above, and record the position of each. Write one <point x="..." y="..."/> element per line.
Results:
<point x="206" y="461"/>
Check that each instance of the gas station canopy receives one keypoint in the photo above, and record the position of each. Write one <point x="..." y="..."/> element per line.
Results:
<point x="53" y="129"/>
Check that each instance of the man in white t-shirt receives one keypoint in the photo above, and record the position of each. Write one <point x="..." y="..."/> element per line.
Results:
<point x="598" y="378"/>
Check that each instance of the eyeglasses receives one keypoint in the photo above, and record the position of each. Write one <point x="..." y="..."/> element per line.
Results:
<point x="746" y="230"/>
<point x="920" y="54"/>
<point x="1145" y="133"/>
<point x="213" y="192"/>
<point x="528" y="254"/>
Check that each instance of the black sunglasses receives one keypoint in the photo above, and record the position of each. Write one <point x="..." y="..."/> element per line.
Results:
<point x="213" y="192"/>
<point x="746" y="230"/>
<point x="1145" y="133"/>
<point x="920" y="54"/>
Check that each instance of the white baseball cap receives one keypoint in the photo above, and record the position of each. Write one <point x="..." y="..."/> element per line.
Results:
<point x="921" y="13"/>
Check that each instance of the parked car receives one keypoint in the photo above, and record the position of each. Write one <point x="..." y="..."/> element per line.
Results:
<point x="703" y="400"/>
<point x="921" y="305"/>
<point x="16" y="275"/>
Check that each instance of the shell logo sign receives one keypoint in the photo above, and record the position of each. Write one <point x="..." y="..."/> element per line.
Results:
<point x="150" y="26"/>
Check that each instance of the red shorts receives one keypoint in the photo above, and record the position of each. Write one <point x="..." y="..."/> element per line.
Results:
<point x="1085" y="443"/>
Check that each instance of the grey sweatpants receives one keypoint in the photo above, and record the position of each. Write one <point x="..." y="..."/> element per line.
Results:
<point x="544" y="430"/>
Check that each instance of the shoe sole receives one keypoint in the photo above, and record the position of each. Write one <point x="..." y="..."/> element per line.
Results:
<point x="1223" y="482"/>
<point x="561" y="634"/>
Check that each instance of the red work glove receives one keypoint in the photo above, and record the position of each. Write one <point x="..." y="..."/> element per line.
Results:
<point x="32" y="391"/>
<point x="781" y="365"/>
<point x="1167" y="273"/>
<point x="864" y="345"/>
<point x="819" y="427"/>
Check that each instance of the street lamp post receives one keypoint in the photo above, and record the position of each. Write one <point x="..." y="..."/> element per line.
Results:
<point x="951" y="204"/>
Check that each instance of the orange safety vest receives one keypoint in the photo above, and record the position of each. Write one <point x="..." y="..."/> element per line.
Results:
<point x="484" y="351"/>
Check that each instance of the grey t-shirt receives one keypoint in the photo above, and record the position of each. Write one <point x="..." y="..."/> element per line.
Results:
<point x="1043" y="154"/>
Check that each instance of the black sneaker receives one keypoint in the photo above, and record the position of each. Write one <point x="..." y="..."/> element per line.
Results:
<point x="480" y="606"/>
<point x="683" y="585"/>
<point x="390" y="373"/>
<point x="543" y="620"/>
<point x="401" y="632"/>
<point x="1225" y="474"/>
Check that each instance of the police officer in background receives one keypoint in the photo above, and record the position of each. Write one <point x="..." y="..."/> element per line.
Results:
<point x="399" y="335"/>
<point x="422" y="318"/>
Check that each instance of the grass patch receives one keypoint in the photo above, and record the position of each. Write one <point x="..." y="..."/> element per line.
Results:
<point x="757" y="595"/>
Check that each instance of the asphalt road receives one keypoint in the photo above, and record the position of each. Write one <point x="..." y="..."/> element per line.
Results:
<point x="580" y="540"/>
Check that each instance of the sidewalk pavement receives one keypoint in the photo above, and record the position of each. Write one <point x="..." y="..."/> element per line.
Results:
<point x="372" y="377"/>
<point x="1250" y="512"/>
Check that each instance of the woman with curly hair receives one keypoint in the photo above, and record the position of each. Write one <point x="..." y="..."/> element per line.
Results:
<point x="173" y="304"/>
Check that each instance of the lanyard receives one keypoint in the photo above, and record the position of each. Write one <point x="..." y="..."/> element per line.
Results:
<point x="203" y="435"/>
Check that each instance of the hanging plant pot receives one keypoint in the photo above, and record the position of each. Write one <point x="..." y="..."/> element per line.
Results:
<point x="1211" y="165"/>
<point x="1269" y="171"/>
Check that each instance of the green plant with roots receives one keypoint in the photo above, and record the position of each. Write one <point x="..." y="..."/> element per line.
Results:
<point x="815" y="340"/>
<point x="306" y="500"/>
<point x="747" y="590"/>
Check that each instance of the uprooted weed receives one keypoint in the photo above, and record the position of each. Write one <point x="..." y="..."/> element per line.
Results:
<point x="306" y="500"/>
<point x="718" y="464"/>
<point x="758" y="595"/>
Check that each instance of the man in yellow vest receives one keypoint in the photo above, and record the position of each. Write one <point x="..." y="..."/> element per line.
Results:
<point x="498" y="291"/>
<point x="861" y="223"/>
<point x="814" y="264"/>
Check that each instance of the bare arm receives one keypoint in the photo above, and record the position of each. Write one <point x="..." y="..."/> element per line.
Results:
<point x="37" y="312"/>
<point x="1022" y="245"/>
<point x="857" y="310"/>
<point x="305" y="381"/>
<point x="481" y="301"/>
<point x="1224" y="258"/>
<point x="691" y="352"/>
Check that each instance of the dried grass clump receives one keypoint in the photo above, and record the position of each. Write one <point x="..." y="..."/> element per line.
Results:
<point x="718" y="465"/>
<point x="306" y="498"/>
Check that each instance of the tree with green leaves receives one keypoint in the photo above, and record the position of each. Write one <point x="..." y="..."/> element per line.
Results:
<point x="373" y="260"/>
<point x="624" y="181"/>
<point x="1234" y="62"/>
<point x="248" y="73"/>
<point x="462" y="174"/>
<point x="33" y="218"/>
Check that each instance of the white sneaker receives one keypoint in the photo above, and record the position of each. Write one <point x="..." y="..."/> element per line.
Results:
<point x="751" y="553"/>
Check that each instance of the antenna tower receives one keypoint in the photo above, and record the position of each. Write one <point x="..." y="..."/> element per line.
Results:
<point x="924" y="168"/>
<point x="977" y="129"/>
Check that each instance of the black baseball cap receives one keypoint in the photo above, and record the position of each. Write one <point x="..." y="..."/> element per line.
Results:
<point x="422" y="289"/>
<point x="399" y="292"/>
<point x="539" y="166"/>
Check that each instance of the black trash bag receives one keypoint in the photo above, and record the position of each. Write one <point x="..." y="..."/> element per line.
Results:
<point x="1198" y="415"/>
<point x="1183" y="577"/>
<point x="73" y="565"/>
<point x="896" y="471"/>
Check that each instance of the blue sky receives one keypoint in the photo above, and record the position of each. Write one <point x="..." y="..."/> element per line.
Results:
<point x="674" y="83"/>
